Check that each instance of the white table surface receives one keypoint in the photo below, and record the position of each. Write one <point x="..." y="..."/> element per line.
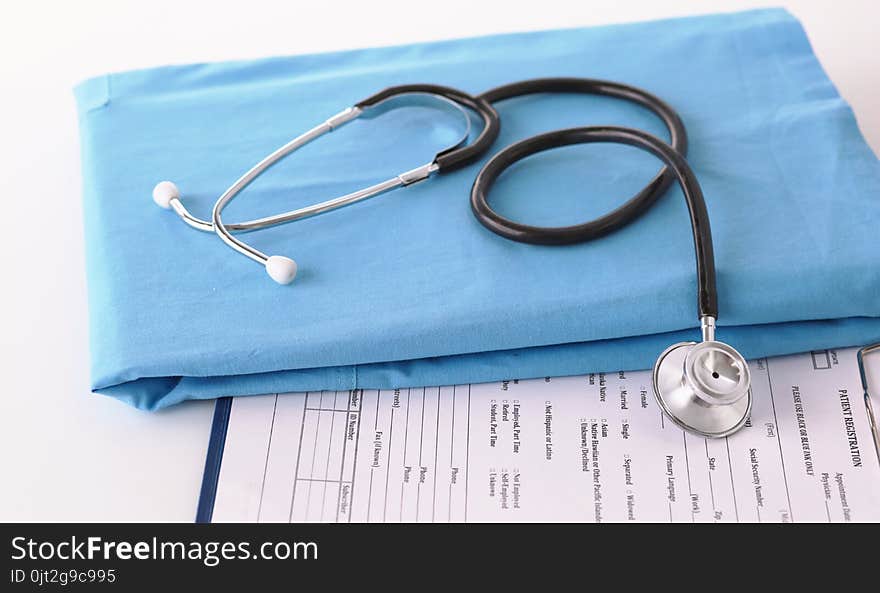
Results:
<point x="68" y="455"/>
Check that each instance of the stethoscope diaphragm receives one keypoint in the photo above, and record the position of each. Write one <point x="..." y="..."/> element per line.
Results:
<point x="704" y="387"/>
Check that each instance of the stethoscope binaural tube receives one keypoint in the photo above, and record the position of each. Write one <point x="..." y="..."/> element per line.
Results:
<point x="283" y="269"/>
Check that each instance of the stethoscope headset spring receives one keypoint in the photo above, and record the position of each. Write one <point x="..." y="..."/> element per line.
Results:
<point x="703" y="387"/>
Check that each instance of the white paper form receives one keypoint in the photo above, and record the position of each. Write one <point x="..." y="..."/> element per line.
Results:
<point x="586" y="448"/>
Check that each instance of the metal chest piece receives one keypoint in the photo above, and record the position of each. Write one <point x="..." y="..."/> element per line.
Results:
<point x="704" y="387"/>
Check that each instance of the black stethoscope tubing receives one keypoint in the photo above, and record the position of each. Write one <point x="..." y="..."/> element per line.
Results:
<point x="672" y="154"/>
<point x="455" y="157"/>
<point x="676" y="167"/>
<point x="620" y="216"/>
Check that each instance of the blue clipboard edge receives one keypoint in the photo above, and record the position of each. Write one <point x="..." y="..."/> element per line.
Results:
<point x="216" y="445"/>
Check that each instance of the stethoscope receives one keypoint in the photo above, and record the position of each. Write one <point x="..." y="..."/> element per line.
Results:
<point x="704" y="387"/>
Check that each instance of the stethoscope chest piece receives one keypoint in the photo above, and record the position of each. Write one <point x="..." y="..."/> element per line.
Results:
<point x="704" y="387"/>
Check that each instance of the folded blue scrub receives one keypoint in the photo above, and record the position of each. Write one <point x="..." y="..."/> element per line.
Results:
<point x="408" y="289"/>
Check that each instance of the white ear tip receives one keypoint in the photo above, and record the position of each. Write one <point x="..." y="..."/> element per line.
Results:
<point x="164" y="192"/>
<point x="281" y="269"/>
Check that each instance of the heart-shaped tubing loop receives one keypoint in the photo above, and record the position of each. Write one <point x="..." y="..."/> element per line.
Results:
<point x="676" y="164"/>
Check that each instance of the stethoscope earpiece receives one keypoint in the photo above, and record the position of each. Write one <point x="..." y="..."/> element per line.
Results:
<point x="281" y="269"/>
<point x="704" y="387"/>
<point x="164" y="192"/>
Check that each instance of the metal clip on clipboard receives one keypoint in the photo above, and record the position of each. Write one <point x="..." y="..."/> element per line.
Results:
<point x="872" y="419"/>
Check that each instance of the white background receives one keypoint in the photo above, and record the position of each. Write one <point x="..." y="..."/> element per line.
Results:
<point x="68" y="455"/>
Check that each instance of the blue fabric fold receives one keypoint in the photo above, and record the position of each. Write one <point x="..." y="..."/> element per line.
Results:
<point x="408" y="289"/>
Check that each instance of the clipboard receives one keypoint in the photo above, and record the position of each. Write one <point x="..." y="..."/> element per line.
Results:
<point x="869" y="406"/>
<point x="818" y="361"/>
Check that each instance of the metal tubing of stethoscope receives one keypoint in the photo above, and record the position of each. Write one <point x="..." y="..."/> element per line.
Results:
<point x="329" y="125"/>
<point x="407" y="178"/>
<point x="258" y="256"/>
<point x="315" y="209"/>
<point x="404" y="179"/>
<point x="293" y="215"/>
<point x="185" y="216"/>
<point x="414" y="98"/>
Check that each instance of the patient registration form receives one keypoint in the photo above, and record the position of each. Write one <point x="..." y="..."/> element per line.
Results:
<point x="585" y="448"/>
